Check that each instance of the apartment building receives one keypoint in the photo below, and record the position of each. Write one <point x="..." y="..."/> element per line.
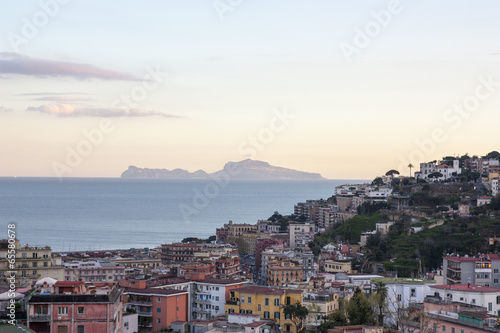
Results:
<point x="470" y="294"/>
<point x="32" y="263"/>
<point x="210" y="296"/>
<point x="266" y="302"/>
<point x="93" y="271"/>
<point x="323" y="302"/>
<point x="481" y="270"/>
<point x="333" y="266"/>
<point x="300" y="233"/>
<point x="178" y="252"/>
<point x="72" y="307"/>
<point x="157" y="308"/>
<point x="284" y="271"/>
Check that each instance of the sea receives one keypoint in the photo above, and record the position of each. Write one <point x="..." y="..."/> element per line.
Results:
<point x="94" y="214"/>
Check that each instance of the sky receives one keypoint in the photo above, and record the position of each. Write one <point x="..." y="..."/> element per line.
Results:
<point x="347" y="89"/>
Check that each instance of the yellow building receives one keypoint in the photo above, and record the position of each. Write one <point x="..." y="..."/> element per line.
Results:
<point x="32" y="263"/>
<point x="266" y="302"/>
<point x="332" y="266"/>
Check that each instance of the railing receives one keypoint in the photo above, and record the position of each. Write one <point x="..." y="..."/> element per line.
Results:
<point x="40" y="317"/>
<point x="145" y="313"/>
<point x="136" y="302"/>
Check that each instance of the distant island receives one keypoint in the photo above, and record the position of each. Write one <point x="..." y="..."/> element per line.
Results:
<point x="246" y="169"/>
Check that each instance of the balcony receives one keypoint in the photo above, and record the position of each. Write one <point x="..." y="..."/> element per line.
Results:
<point x="200" y="291"/>
<point x="199" y="310"/>
<point x="203" y="301"/>
<point x="141" y="303"/>
<point x="145" y="313"/>
<point x="40" y="317"/>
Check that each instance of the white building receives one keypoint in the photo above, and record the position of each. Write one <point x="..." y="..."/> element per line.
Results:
<point x="495" y="186"/>
<point x="93" y="271"/>
<point x="470" y="294"/>
<point x="401" y="292"/>
<point x="210" y="297"/>
<point x="298" y="232"/>
<point x="447" y="171"/>
<point x="383" y="228"/>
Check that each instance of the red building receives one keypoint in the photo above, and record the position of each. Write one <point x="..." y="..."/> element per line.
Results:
<point x="75" y="308"/>
<point x="260" y="245"/>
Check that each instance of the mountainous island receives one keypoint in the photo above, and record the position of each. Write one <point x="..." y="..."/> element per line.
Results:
<point x="246" y="169"/>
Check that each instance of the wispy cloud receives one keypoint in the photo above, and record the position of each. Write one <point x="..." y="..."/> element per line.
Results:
<point x="65" y="99"/>
<point x="51" y="93"/>
<point x="5" y="109"/>
<point x="66" y="110"/>
<point x="14" y="63"/>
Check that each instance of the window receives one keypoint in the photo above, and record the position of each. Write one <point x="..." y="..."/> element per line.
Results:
<point x="277" y="315"/>
<point x="242" y="299"/>
<point x="276" y="301"/>
<point x="177" y="308"/>
<point x="258" y="307"/>
<point x="80" y="329"/>
<point x="81" y="310"/>
<point x="266" y="314"/>
<point x="453" y="330"/>
<point x="473" y="301"/>
<point x="413" y="292"/>
<point x="158" y="299"/>
<point x="288" y="300"/>
<point x="399" y="297"/>
<point x="249" y="311"/>
<point x="249" y="300"/>
<point x="495" y="270"/>
<point x="242" y="311"/>
<point x="444" y="328"/>
<point x="287" y="316"/>
<point x="230" y="311"/>
<point x="216" y="298"/>
<point x="266" y="301"/>
<point x="158" y="310"/>
<point x="158" y="320"/>
<point x="63" y="310"/>
<point x="490" y="306"/>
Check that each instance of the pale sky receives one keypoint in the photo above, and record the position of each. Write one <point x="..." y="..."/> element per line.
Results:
<point x="187" y="84"/>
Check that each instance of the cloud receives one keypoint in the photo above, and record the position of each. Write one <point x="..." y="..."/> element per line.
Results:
<point x="5" y="109"/>
<point x="14" y="63"/>
<point x="52" y="94"/>
<point x="62" y="99"/>
<point x="66" y="110"/>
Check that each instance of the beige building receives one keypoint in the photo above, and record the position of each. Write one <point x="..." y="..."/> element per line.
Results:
<point x="32" y="263"/>
<point x="332" y="266"/>
<point x="320" y="304"/>
<point x="284" y="271"/>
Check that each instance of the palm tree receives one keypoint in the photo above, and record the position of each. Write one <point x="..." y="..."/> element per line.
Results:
<point x="410" y="166"/>
<point x="381" y="292"/>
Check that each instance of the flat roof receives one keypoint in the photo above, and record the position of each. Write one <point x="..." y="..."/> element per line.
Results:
<point x="267" y="291"/>
<point x="467" y="287"/>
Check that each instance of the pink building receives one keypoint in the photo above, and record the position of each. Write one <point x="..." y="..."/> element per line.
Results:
<point x="455" y="317"/>
<point x="75" y="308"/>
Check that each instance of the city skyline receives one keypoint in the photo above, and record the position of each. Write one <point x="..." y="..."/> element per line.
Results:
<point x="345" y="90"/>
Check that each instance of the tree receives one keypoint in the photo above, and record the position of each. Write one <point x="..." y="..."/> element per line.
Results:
<point x="337" y="318"/>
<point x="392" y="172"/>
<point x="359" y="310"/>
<point x="410" y="166"/>
<point x="296" y="313"/>
<point x="378" y="181"/>
<point x="380" y="294"/>
<point x="435" y="175"/>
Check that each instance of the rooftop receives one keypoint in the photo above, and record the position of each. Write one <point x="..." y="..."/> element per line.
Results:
<point x="467" y="287"/>
<point x="267" y="291"/>
<point x="404" y="281"/>
<point x="153" y="291"/>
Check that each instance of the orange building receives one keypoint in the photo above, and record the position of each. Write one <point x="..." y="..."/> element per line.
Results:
<point x="157" y="308"/>
<point x="284" y="271"/>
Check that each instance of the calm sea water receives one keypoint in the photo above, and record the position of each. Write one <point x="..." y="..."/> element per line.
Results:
<point x="114" y="213"/>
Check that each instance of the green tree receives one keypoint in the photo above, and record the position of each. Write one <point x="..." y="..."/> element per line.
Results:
<point x="378" y="181"/>
<point x="359" y="310"/>
<point x="435" y="175"/>
<point x="392" y="172"/>
<point x="337" y="318"/>
<point x="410" y="166"/>
<point x="296" y="313"/>
<point x="380" y="295"/>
